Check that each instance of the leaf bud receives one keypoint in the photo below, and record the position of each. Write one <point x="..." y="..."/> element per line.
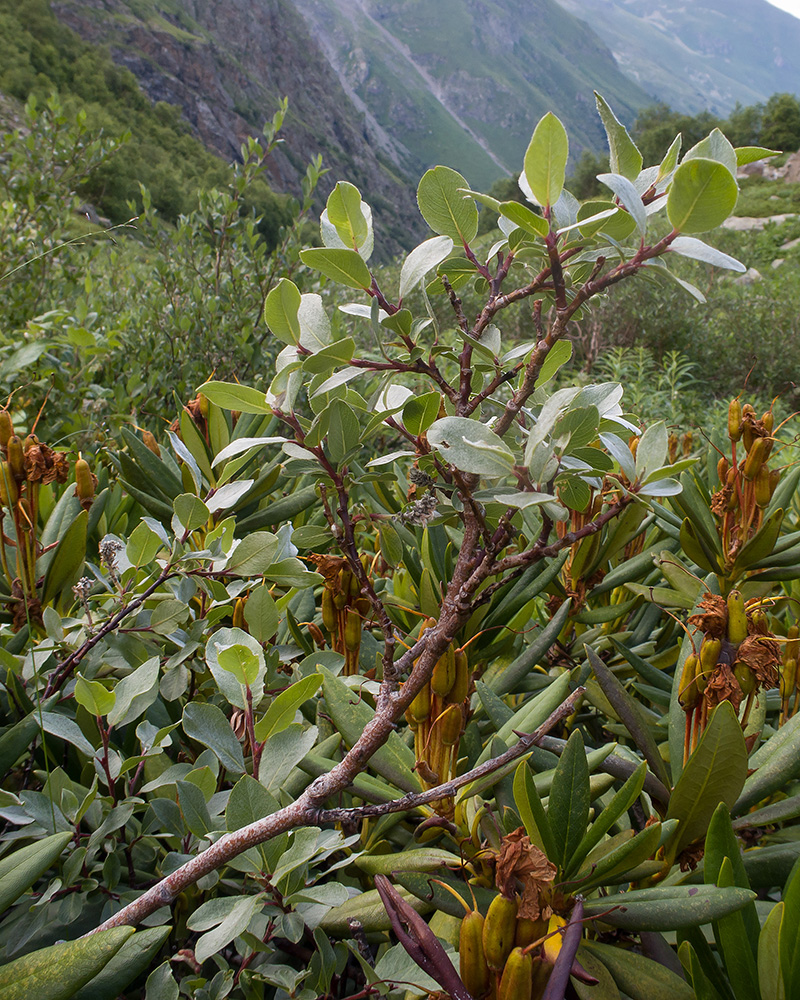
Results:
<point x="734" y="420"/>
<point x="517" y="980"/>
<point x="499" y="929"/>
<point x="737" y="618"/>
<point x="473" y="969"/>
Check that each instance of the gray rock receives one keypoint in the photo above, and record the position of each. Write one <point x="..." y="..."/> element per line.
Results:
<point x="750" y="276"/>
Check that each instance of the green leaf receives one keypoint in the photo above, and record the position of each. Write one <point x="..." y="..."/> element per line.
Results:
<point x="789" y="938"/>
<point x="345" y="267"/>
<point x="191" y="511"/>
<point x="280" y="311"/>
<point x="471" y="446"/>
<point x="143" y="545"/>
<point x="207" y="724"/>
<point x="167" y="616"/>
<point x="232" y="396"/>
<point x="714" y="773"/>
<point x="629" y="196"/>
<point x="714" y="147"/>
<point x="631" y="714"/>
<point x="20" y="869"/>
<point x="568" y="809"/>
<point x="750" y="154"/>
<point x="737" y="939"/>
<point x="546" y="160"/>
<point x="531" y="811"/>
<point x="637" y="976"/>
<point x="421" y="260"/>
<point x="283" y="707"/>
<point x="625" y="158"/>
<point x="254" y="554"/>
<point x="240" y="661"/>
<point x="701" y="984"/>
<point x="688" y="246"/>
<point x="283" y="751"/>
<point x="525" y="218"/>
<point x="337" y="353"/>
<point x="161" y="984"/>
<point x="240" y="911"/>
<point x="421" y="411"/>
<point x="130" y="961"/>
<point x="345" y="213"/>
<point x="344" y="432"/>
<point x="670" y="160"/>
<point x="668" y="908"/>
<point x="620" y="804"/>
<point x="58" y="972"/>
<point x="651" y="452"/>
<point x="394" y="760"/>
<point x="610" y="867"/>
<point x="770" y="974"/>
<point x="67" y="563"/>
<point x="558" y="355"/>
<point x="444" y="207"/>
<point x="94" y="696"/>
<point x="193" y="807"/>
<point x="774" y="764"/>
<point x="229" y="687"/>
<point x="261" y="614"/>
<point x="702" y="195"/>
<point x="249" y="801"/>
<point x="135" y="693"/>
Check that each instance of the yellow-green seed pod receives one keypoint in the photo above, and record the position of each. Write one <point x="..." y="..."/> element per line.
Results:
<point x="16" y="458"/>
<point x="762" y="487"/>
<point x="151" y="443"/>
<point x="420" y="707"/>
<point x="756" y="457"/>
<point x="517" y="979"/>
<point x="444" y="673"/>
<point x="792" y="648"/>
<point x="774" y="479"/>
<point x="723" y="467"/>
<point x="745" y="676"/>
<point x="498" y="931"/>
<point x="633" y="444"/>
<point x="6" y="428"/>
<point x="758" y="617"/>
<point x="709" y="653"/>
<point x="737" y="618"/>
<point x="448" y="725"/>
<point x="355" y="586"/>
<point x="529" y="931"/>
<point x="472" y="965"/>
<point x="460" y="688"/>
<point x="84" y="481"/>
<point x="768" y="420"/>
<point x="788" y="677"/>
<point x="203" y="405"/>
<point x="352" y="631"/>
<point x="9" y="494"/>
<point x="341" y="596"/>
<point x="540" y="975"/>
<point x="734" y="420"/>
<point x="238" y="613"/>
<point x="689" y="695"/>
<point x="329" y="617"/>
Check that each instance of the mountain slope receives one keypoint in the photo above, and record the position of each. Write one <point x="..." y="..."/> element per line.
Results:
<point x="703" y="54"/>
<point x="227" y="64"/>
<point x="463" y="82"/>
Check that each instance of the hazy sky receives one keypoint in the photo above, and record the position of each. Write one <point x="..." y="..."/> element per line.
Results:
<point x="793" y="6"/>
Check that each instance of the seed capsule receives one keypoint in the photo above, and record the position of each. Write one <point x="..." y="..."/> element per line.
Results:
<point x="529" y="931"/>
<point x="792" y="647"/>
<point x="734" y="420"/>
<point x="420" y="707"/>
<point x="763" y="488"/>
<point x="151" y="443"/>
<point x="774" y="479"/>
<point x="788" y="677"/>
<point x="238" y="613"/>
<point x="723" y="467"/>
<point x="444" y="673"/>
<point x="9" y="494"/>
<point x="709" y="653"/>
<point x="768" y="420"/>
<point x="689" y="695"/>
<point x="329" y="617"/>
<point x="745" y="676"/>
<point x="473" y="969"/>
<point x="203" y="404"/>
<point x="517" y="980"/>
<point x="498" y="931"/>
<point x="460" y="688"/>
<point x="756" y="457"/>
<point x="737" y="618"/>
<point x="6" y="428"/>
<point x="84" y="482"/>
<point x="352" y="631"/>
<point x="448" y="725"/>
<point x="16" y="458"/>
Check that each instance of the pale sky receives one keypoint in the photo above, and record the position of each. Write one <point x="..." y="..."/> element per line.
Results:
<point x="793" y="6"/>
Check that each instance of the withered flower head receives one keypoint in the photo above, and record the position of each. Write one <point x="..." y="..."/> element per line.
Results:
<point x="713" y="616"/>
<point x="520" y="859"/>
<point x="763" y="656"/>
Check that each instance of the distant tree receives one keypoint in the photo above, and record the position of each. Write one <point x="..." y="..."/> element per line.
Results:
<point x="744" y="125"/>
<point x="583" y="181"/>
<point x="780" y="127"/>
<point x="657" y="126"/>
